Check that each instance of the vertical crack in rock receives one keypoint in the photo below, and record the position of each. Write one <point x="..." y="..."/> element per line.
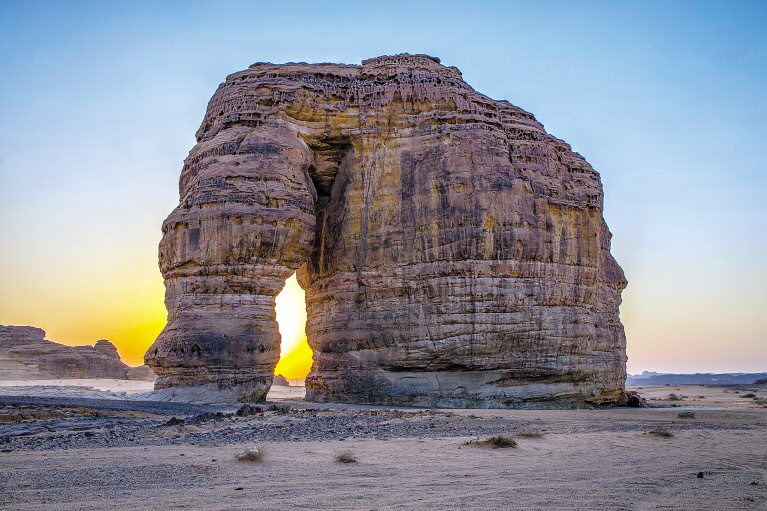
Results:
<point x="453" y="253"/>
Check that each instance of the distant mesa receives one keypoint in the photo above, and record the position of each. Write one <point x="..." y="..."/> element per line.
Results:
<point x="143" y="373"/>
<point x="653" y="378"/>
<point x="280" y="381"/>
<point x="25" y="354"/>
<point x="453" y="253"/>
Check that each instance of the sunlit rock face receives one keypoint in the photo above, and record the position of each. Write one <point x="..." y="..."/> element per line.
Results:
<point x="453" y="253"/>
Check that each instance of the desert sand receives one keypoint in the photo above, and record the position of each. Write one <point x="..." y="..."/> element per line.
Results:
<point x="94" y="447"/>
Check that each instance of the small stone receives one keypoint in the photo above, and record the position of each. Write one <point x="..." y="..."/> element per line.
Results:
<point x="174" y="421"/>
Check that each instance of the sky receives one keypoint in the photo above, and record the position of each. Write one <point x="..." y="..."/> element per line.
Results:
<point x="100" y="101"/>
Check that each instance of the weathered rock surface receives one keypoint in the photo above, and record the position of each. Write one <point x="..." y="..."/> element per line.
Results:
<point x="453" y="253"/>
<point x="143" y="373"/>
<point x="26" y="354"/>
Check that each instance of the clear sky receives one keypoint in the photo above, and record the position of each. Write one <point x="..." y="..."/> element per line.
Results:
<point x="99" y="103"/>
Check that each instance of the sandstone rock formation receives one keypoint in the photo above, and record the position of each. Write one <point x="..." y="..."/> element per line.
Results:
<point x="280" y="381"/>
<point x="26" y="354"/>
<point x="453" y="253"/>
<point x="143" y="373"/>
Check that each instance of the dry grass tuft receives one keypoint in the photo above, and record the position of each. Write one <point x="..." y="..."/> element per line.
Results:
<point x="346" y="457"/>
<point x="661" y="432"/>
<point x="496" y="442"/>
<point x="501" y="441"/>
<point x="530" y="434"/>
<point x="675" y="397"/>
<point x="255" y="455"/>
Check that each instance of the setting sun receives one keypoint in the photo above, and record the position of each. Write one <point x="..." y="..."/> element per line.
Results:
<point x="295" y="353"/>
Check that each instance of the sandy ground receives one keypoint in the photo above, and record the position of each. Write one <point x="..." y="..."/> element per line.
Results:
<point x="406" y="458"/>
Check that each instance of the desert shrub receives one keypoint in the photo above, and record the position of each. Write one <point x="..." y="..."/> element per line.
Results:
<point x="686" y="415"/>
<point x="674" y="397"/>
<point x="750" y="394"/>
<point x="530" y="434"/>
<point x="346" y="457"/>
<point x="501" y="441"/>
<point x="661" y="432"/>
<point x="256" y="454"/>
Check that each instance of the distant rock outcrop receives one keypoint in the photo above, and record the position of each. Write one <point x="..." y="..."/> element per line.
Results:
<point x="652" y="378"/>
<point x="143" y="373"/>
<point x="26" y="354"/>
<point x="281" y="381"/>
<point x="452" y="251"/>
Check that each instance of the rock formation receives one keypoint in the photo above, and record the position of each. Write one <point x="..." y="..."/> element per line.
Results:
<point x="143" y="373"/>
<point x="280" y="381"/>
<point x="26" y="354"/>
<point x="453" y="253"/>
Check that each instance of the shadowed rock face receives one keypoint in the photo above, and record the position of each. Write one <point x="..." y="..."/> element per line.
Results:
<point x="453" y="253"/>
<point x="26" y="354"/>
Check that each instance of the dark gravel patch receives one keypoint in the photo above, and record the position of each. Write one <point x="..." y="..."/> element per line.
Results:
<point x="184" y="424"/>
<point x="155" y="407"/>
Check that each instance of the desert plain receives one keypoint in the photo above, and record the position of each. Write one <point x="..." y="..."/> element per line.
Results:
<point x="97" y="444"/>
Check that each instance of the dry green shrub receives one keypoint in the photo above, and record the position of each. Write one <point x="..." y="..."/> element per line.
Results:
<point x="255" y="455"/>
<point x="750" y="394"/>
<point x="501" y="441"/>
<point x="346" y="457"/>
<point x="686" y="415"/>
<point x="674" y="397"/>
<point x="661" y="432"/>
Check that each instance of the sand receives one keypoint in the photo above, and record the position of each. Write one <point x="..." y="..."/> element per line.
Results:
<point x="406" y="458"/>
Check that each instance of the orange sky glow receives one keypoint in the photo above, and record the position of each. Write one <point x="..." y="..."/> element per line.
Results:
<point x="670" y="109"/>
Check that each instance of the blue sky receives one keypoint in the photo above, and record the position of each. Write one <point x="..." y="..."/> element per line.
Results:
<point x="100" y="102"/>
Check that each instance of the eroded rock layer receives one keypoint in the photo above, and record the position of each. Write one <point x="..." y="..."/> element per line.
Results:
<point x="455" y="253"/>
<point x="25" y="354"/>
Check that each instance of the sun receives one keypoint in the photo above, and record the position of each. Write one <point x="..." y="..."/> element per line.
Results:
<point x="295" y="353"/>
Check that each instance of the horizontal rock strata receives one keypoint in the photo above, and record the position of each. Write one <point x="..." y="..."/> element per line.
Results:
<point x="26" y="354"/>
<point x="453" y="253"/>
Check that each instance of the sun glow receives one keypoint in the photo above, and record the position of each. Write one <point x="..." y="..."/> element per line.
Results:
<point x="295" y="353"/>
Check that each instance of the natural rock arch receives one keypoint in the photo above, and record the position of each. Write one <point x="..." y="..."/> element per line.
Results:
<point x="453" y="253"/>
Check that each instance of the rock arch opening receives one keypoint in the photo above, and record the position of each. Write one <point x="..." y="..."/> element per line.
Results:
<point x="295" y="354"/>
